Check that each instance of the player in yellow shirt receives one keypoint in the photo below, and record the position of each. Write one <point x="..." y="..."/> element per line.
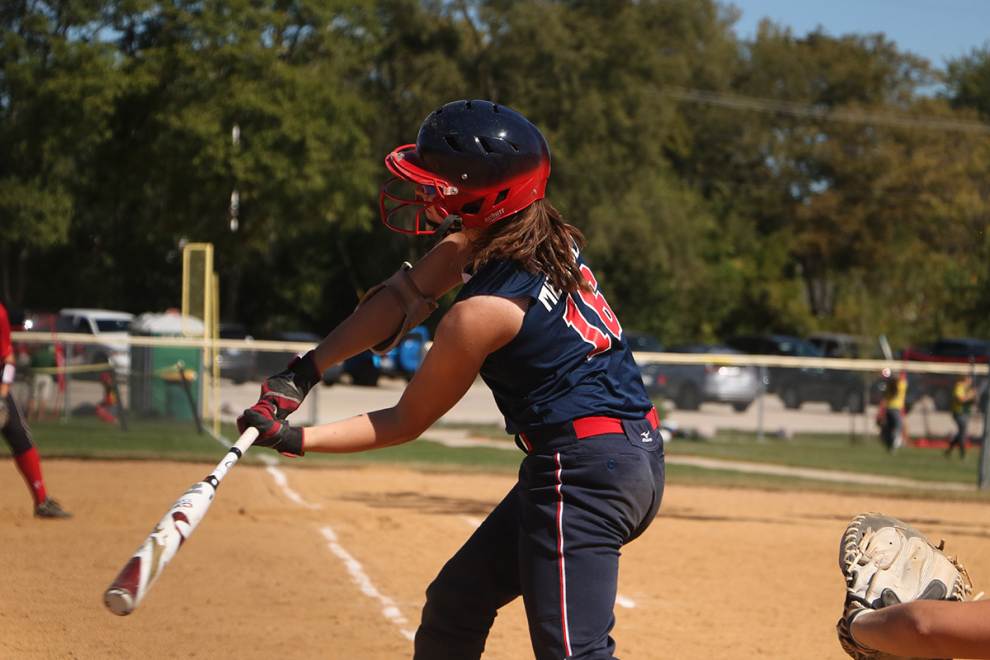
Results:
<point x="894" y="395"/>
<point x="963" y="396"/>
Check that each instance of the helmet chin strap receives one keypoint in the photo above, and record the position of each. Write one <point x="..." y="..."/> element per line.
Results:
<point x="452" y="223"/>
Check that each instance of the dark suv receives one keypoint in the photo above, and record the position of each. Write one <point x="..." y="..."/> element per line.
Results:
<point x="236" y="364"/>
<point x="841" y="389"/>
<point x="651" y="372"/>
<point x="953" y="351"/>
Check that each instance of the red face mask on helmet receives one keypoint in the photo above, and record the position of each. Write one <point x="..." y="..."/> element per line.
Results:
<point x="476" y="160"/>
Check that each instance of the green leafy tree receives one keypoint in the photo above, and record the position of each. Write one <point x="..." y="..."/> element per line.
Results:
<point x="57" y="93"/>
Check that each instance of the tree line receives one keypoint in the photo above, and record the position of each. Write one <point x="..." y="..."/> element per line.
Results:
<point x="787" y="183"/>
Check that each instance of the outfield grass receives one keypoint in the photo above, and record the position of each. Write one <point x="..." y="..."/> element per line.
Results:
<point x="90" y="438"/>
<point x="823" y="451"/>
<point x="835" y="452"/>
<point x="158" y="439"/>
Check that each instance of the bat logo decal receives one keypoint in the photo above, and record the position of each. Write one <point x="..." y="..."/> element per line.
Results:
<point x="178" y="517"/>
<point x="157" y="548"/>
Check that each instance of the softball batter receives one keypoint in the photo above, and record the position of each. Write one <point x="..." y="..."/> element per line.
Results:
<point x="530" y="319"/>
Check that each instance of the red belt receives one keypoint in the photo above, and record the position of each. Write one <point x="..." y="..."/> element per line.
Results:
<point x="586" y="427"/>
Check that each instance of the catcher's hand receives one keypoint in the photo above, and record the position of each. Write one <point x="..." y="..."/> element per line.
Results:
<point x="886" y="561"/>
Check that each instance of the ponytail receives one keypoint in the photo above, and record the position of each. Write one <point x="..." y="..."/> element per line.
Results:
<point x="539" y="240"/>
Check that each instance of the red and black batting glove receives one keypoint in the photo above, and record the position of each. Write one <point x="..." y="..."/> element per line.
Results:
<point x="287" y="389"/>
<point x="272" y="431"/>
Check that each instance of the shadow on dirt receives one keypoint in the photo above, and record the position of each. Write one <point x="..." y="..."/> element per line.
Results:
<point x="948" y="527"/>
<point x="433" y="504"/>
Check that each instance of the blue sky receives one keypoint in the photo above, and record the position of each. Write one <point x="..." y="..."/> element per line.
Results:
<point x="936" y="29"/>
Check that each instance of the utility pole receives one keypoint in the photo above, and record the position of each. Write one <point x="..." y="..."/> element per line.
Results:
<point x="235" y="197"/>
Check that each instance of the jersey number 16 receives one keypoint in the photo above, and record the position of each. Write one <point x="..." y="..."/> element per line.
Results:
<point x="600" y="341"/>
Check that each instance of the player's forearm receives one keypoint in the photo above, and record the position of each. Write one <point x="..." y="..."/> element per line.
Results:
<point x="369" y="325"/>
<point x="374" y="430"/>
<point x="380" y="317"/>
<point x="928" y="629"/>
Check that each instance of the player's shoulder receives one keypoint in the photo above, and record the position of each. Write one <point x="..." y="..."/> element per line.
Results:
<point x="489" y="321"/>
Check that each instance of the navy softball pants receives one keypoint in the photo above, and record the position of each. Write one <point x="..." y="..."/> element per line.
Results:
<point x="555" y="539"/>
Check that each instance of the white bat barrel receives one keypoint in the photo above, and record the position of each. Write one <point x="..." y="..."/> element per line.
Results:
<point x="178" y="523"/>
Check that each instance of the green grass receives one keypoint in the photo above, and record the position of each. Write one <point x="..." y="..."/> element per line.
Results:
<point x="156" y="439"/>
<point x="822" y="451"/>
<point x="90" y="438"/>
<point x="679" y="475"/>
<point x="834" y="452"/>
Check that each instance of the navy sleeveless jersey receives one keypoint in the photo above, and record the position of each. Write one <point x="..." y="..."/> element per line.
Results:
<point x="569" y="359"/>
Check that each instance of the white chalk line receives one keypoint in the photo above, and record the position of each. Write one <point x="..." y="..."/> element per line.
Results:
<point x="472" y="521"/>
<point x="389" y="609"/>
<point x="282" y="482"/>
<point x="624" y="601"/>
<point x="620" y="600"/>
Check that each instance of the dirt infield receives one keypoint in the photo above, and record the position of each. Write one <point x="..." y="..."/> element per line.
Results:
<point x="340" y="572"/>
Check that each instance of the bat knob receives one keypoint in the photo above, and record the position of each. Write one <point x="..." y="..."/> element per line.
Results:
<point x="119" y="601"/>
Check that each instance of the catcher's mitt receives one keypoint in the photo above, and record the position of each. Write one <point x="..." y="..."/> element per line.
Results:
<point x="886" y="561"/>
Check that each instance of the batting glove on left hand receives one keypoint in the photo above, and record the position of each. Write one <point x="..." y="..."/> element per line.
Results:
<point x="287" y="389"/>
<point x="272" y="431"/>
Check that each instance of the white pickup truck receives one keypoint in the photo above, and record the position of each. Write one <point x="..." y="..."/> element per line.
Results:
<point x="107" y="328"/>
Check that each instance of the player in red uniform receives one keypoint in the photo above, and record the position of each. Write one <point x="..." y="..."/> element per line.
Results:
<point x="16" y="432"/>
<point x="532" y="322"/>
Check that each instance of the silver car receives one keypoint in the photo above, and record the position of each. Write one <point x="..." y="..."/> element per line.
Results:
<point x="690" y="385"/>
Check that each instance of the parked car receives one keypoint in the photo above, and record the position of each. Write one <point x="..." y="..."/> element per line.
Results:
<point x="332" y="374"/>
<point x="404" y="360"/>
<point x="34" y="354"/>
<point x="654" y="380"/>
<point x="841" y="389"/>
<point x="107" y="328"/>
<point x="839" y="345"/>
<point x="401" y="362"/>
<point x="963" y="350"/>
<point x="652" y="374"/>
<point x="690" y="385"/>
<point x="641" y="342"/>
<point x="272" y="362"/>
<point x="22" y="320"/>
<point x="237" y="364"/>
<point x="364" y="368"/>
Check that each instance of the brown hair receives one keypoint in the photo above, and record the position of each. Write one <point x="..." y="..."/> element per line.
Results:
<point x="540" y="241"/>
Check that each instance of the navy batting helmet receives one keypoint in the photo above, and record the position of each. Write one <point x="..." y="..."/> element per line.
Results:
<point x="475" y="159"/>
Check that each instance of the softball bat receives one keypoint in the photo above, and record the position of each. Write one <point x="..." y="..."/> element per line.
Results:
<point x="129" y="588"/>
